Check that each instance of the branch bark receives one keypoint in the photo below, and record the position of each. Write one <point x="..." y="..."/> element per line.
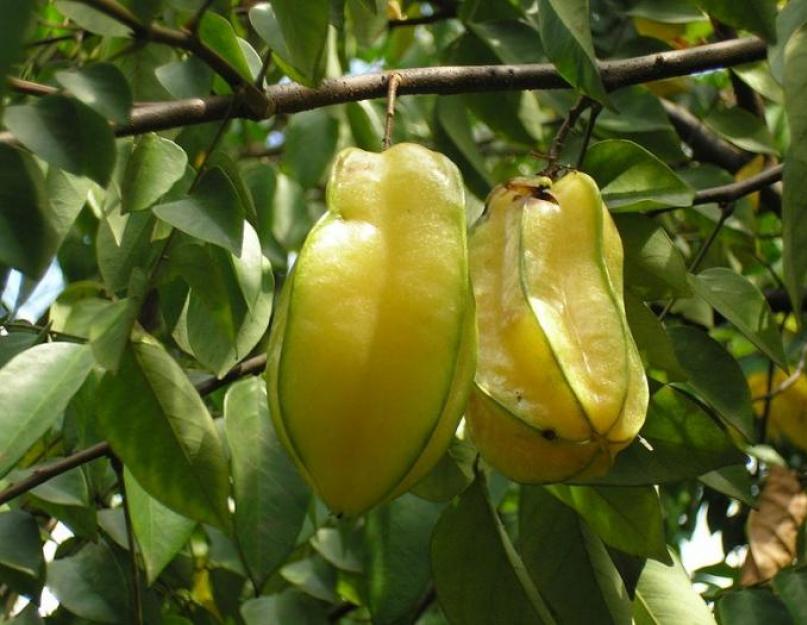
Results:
<point x="736" y="190"/>
<point x="293" y="98"/>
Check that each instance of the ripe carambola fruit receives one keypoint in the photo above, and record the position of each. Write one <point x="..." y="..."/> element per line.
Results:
<point x="560" y="387"/>
<point x="372" y="353"/>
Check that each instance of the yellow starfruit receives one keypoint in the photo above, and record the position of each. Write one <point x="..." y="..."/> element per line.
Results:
<point x="372" y="353"/>
<point x="560" y="388"/>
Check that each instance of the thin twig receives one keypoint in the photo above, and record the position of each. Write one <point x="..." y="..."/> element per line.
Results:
<point x="725" y="212"/>
<point x="34" y="329"/>
<point x="583" y="102"/>
<point x="732" y="192"/>
<point x="596" y="107"/>
<point x="29" y="88"/>
<point x="193" y="24"/>
<point x="49" y="40"/>
<point x="789" y="380"/>
<point x="137" y="602"/>
<point x="389" y="123"/>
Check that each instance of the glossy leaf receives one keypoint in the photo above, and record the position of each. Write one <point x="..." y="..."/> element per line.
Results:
<point x="310" y="145"/>
<point x="716" y="377"/>
<point x="35" y="387"/>
<point x="22" y="565"/>
<point x="744" y="305"/>
<point x="397" y="566"/>
<point x="158" y="425"/>
<point x="13" y="30"/>
<point x="743" y="129"/>
<point x="453" y="135"/>
<point x="632" y="179"/>
<point x="92" y="19"/>
<point x="665" y="596"/>
<point x="758" y="16"/>
<point x="123" y="243"/>
<point x="750" y="606"/>
<point x="154" y="166"/>
<point x="654" y="267"/>
<point x="733" y="481"/>
<point x="217" y="33"/>
<point x="212" y="212"/>
<point x="652" y="340"/>
<point x="566" y="35"/>
<point x="679" y="441"/>
<point x="271" y="499"/>
<point x="479" y="577"/>
<point x="159" y="531"/>
<point x="102" y="87"/>
<point x="26" y="234"/>
<point x="290" y="606"/>
<point x="188" y="78"/>
<point x="92" y="584"/>
<point x="296" y="33"/>
<point x="627" y="518"/>
<point x="791" y="586"/>
<point x="794" y="200"/>
<point x="66" y="133"/>
<point x="566" y="560"/>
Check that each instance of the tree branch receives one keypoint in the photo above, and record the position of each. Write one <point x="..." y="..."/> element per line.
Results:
<point x="177" y="38"/>
<point x="736" y="190"/>
<point x="293" y="98"/>
<point x="250" y="366"/>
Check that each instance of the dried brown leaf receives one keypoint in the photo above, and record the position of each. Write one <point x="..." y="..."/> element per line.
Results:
<point x="773" y="528"/>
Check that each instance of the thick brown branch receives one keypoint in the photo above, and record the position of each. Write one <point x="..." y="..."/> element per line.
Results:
<point x="293" y="98"/>
<point x="706" y="145"/>
<point x="29" y="88"/>
<point x="736" y="190"/>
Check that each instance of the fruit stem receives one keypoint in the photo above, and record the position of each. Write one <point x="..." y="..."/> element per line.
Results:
<point x="393" y="83"/>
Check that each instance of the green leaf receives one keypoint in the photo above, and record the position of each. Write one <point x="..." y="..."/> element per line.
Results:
<point x="667" y="11"/>
<point x="123" y="243"/>
<point x="154" y="166"/>
<point x="654" y="267"/>
<point x="310" y="145"/>
<point x="189" y="78"/>
<point x="716" y="377"/>
<point x="451" y="475"/>
<point x="365" y="125"/>
<point x="665" y="596"/>
<point x="35" y="387"/>
<point x="66" y="133"/>
<point x="26" y="234"/>
<point x="110" y="329"/>
<point x="632" y="179"/>
<point x="791" y="586"/>
<point x="217" y="33"/>
<point x="296" y="33"/>
<point x="680" y="442"/>
<point x="566" y="35"/>
<point x="655" y="345"/>
<point x="68" y="195"/>
<point x="66" y="497"/>
<point x="566" y="560"/>
<point x="751" y="606"/>
<point x="792" y="17"/>
<point x="13" y="31"/>
<point x="92" y="584"/>
<point x="271" y="499"/>
<point x="743" y="129"/>
<point x="212" y="212"/>
<point x="91" y="19"/>
<point x="102" y="87"/>
<point x="28" y="616"/>
<point x="627" y="518"/>
<point x="221" y="330"/>
<point x="160" y="532"/>
<point x="453" y="136"/>
<point x="794" y="200"/>
<point x="314" y="576"/>
<point x="14" y="343"/>
<point x="158" y="425"/>
<point x="22" y="565"/>
<point x="477" y="573"/>
<point x="744" y="305"/>
<point x="733" y="481"/>
<point x="758" y="16"/>
<point x="290" y="606"/>
<point x="511" y="41"/>
<point x="397" y="566"/>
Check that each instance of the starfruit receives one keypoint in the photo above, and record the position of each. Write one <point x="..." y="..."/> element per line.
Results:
<point x="372" y="353"/>
<point x="560" y="388"/>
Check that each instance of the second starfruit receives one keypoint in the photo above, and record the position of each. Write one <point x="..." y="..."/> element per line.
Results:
<point x="560" y="388"/>
<point x="372" y="352"/>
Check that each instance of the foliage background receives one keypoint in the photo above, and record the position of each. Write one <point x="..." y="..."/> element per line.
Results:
<point x="167" y="157"/>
